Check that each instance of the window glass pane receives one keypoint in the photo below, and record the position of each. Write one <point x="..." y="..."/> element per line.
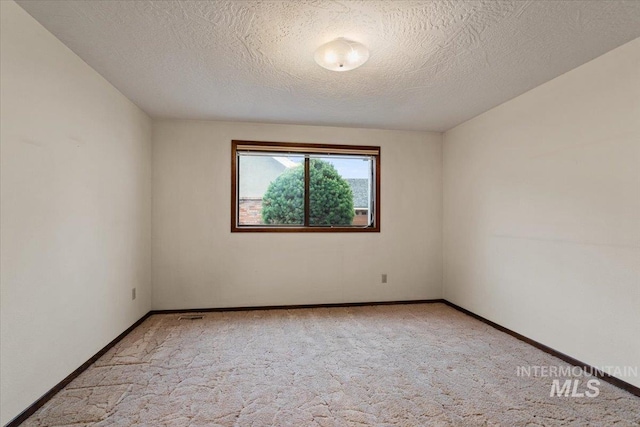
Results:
<point x="340" y="191"/>
<point x="270" y="189"/>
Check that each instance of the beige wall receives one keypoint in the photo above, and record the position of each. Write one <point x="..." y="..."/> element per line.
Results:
<point x="75" y="211"/>
<point x="542" y="212"/>
<point x="198" y="262"/>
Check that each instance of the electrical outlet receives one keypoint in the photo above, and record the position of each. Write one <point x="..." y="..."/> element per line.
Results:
<point x="133" y="293"/>
<point x="384" y="278"/>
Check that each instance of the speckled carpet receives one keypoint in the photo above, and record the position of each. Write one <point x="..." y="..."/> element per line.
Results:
<point x="403" y="365"/>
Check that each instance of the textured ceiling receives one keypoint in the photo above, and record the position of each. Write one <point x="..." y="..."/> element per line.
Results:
<point x="433" y="64"/>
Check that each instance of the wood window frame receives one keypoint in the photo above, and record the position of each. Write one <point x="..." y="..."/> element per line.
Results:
<point x="303" y="149"/>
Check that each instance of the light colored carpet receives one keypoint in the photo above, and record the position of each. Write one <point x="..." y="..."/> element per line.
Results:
<point x="405" y="365"/>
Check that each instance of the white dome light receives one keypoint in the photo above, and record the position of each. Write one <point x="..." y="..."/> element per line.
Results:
<point x="341" y="55"/>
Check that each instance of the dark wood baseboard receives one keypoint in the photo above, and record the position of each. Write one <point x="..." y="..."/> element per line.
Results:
<point x="62" y="384"/>
<point x="48" y="395"/>
<point x="296" y="306"/>
<point x="573" y="361"/>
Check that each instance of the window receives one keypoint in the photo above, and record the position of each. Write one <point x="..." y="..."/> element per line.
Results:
<point x="288" y="187"/>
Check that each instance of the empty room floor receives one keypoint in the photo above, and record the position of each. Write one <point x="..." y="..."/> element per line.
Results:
<point x="397" y="365"/>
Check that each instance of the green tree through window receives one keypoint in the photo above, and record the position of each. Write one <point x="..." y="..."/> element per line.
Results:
<point x="330" y="197"/>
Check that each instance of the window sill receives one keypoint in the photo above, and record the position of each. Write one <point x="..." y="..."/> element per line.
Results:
<point x="293" y="229"/>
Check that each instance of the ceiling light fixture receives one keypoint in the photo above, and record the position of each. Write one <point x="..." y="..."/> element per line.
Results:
<point x="341" y="55"/>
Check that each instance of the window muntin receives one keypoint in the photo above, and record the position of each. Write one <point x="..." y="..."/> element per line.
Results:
<point x="304" y="187"/>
